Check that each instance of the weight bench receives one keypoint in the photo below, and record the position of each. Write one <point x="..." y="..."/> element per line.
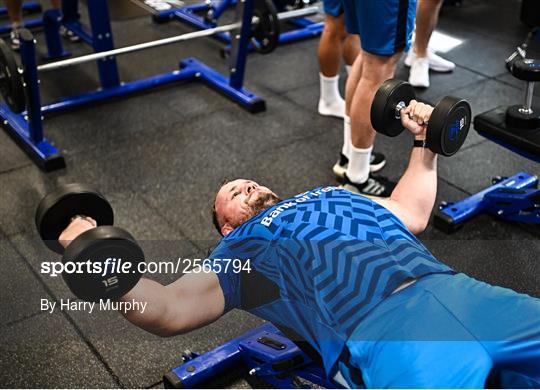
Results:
<point x="264" y="352"/>
<point x="517" y="128"/>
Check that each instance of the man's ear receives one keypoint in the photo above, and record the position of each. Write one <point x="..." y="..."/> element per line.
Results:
<point x="226" y="229"/>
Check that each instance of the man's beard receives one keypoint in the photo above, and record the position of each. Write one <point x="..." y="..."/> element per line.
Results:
<point x="264" y="201"/>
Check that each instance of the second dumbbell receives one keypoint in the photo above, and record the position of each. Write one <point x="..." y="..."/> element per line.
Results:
<point x="448" y="124"/>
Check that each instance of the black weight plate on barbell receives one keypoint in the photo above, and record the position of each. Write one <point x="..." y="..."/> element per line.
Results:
<point x="265" y="33"/>
<point x="96" y="246"/>
<point x="56" y="209"/>
<point x="449" y="125"/>
<point x="11" y="85"/>
<point x="383" y="108"/>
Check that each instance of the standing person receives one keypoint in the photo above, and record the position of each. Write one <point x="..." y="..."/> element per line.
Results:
<point x="334" y="45"/>
<point x="385" y="32"/>
<point x="420" y="58"/>
<point x="14" y="10"/>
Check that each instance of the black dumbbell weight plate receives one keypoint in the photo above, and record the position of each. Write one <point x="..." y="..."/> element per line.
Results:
<point x="384" y="117"/>
<point x="55" y="211"/>
<point x="11" y="86"/>
<point x="265" y="33"/>
<point x="97" y="245"/>
<point x="449" y="125"/>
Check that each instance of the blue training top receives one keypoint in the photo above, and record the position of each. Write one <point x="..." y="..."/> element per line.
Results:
<point x="320" y="261"/>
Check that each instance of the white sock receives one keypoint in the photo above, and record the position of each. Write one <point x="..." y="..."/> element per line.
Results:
<point x="349" y="68"/>
<point x="330" y="88"/>
<point x="358" y="169"/>
<point x="346" y="149"/>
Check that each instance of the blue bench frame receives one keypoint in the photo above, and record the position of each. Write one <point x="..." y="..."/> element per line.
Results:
<point x="263" y="352"/>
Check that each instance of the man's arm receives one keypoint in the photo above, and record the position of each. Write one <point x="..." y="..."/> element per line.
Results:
<point x="414" y="196"/>
<point x="194" y="300"/>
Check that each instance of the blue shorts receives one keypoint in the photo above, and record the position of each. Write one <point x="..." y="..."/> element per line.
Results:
<point x="385" y="27"/>
<point x="333" y="7"/>
<point x="448" y="331"/>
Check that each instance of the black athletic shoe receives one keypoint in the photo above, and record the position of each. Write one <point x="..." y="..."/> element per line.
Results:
<point x="377" y="162"/>
<point x="374" y="186"/>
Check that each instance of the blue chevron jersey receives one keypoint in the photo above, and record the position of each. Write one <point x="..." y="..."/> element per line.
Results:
<point x="319" y="263"/>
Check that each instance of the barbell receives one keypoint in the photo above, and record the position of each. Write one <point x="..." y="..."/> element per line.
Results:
<point x="264" y="37"/>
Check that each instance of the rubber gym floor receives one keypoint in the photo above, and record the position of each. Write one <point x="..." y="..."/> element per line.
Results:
<point x="159" y="156"/>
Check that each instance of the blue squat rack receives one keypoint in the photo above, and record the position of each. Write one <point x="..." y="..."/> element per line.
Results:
<point x="264" y="352"/>
<point x="28" y="7"/>
<point x="27" y="127"/>
<point x="206" y="15"/>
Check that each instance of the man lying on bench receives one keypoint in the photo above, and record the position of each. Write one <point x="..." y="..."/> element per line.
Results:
<point x="347" y="274"/>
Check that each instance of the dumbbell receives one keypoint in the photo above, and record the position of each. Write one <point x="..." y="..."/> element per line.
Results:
<point x="98" y="245"/>
<point x="448" y="124"/>
<point x="525" y="116"/>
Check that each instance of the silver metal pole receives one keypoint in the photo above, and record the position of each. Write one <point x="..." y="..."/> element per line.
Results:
<point x="529" y="92"/>
<point x="166" y="41"/>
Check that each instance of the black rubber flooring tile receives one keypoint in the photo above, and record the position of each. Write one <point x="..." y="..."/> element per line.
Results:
<point x="22" y="189"/>
<point x="22" y="292"/>
<point x="287" y="68"/>
<point x="441" y="84"/>
<point x="46" y="351"/>
<point x="186" y="195"/>
<point x="509" y="79"/>
<point x="139" y="358"/>
<point x="497" y="20"/>
<point x="489" y="94"/>
<point x="12" y="156"/>
<point x="111" y="125"/>
<point x="477" y="52"/>
<point x="36" y="254"/>
<point x="472" y="169"/>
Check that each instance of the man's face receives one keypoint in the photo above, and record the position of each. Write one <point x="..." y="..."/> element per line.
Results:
<point x="239" y="200"/>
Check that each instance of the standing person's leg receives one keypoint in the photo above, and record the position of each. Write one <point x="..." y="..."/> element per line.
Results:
<point x="351" y="50"/>
<point x="384" y="33"/>
<point x="420" y="58"/>
<point x="340" y="167"/>
<point x="14" y="10"/>
<point x="68" y="34"/>
<point x="329" y="54"/>
<point x="334" y="45"/>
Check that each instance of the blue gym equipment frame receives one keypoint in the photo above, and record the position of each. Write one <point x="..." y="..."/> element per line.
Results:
<point x="515" y="198"/>
<point x="29" y="7"/>
<point x="205" y="15"/>
<point x="26" y="128"/>
<point x="264" y="352"/>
